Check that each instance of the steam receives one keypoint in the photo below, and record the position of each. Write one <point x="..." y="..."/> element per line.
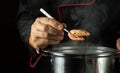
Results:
<point x="90" y="18"/>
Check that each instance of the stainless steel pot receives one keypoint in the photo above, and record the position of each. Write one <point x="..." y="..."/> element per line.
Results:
<point x="89" y="59"/>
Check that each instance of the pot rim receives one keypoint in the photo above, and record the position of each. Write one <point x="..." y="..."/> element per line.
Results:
<point x="80" y="52"/>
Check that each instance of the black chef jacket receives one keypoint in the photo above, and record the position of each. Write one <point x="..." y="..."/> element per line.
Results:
<point x="99" y="17"/>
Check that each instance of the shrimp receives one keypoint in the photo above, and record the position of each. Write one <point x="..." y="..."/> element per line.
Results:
<point x="78" y="34"/>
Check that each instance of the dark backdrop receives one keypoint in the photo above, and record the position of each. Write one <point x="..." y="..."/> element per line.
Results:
<point x="13" y="53"/>
<point x="14" y="56"/>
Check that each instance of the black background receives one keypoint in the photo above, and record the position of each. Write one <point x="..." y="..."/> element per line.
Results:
<point x="13" y="53"/>
<point x="14" y="56"/>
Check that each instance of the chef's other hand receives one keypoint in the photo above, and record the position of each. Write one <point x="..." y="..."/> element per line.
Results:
<point x="118" y="43"/>
<point x="45" y="31"/>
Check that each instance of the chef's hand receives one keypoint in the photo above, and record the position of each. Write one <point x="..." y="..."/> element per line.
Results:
<point x="118" y="43"/>
<point x="44" y="32"/>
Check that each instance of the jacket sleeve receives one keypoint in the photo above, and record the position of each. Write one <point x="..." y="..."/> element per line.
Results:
<point x="28" y="11"/>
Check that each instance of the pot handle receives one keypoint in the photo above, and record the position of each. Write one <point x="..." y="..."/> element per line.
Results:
<point x="46" y="52"/>
<point x="116" y="54"/>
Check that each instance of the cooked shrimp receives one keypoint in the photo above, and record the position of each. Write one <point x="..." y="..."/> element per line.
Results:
<point x="78" y="34"/>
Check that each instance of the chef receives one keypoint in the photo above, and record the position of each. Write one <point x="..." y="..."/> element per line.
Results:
<point x="99" y="17"/>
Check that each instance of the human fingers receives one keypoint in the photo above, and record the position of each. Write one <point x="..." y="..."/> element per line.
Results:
<point x="118" y="43"/>
<point x="41" y="27"/>
<point x="64" y="25"/>
<point x="39" y="31"/>
<point x="42" y="43"/>
<point x="52" y="22"/>
<point x="45" y="35"/>
<point x="49" y="29"/>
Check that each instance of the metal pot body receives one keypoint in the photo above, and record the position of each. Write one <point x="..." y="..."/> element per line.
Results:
<point x="82" y="60"/>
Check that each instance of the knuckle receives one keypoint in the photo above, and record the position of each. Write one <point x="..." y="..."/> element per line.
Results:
<point x="43" y="19"/>
<point x="48" y="19"/>
<point x="45" y="34"/>
<point x="38" y="18"/>
<point x="45" y="28"/>
<point x="46" y="41"/>
<point x="64" y="25"/>
<point x="32" y="26"/>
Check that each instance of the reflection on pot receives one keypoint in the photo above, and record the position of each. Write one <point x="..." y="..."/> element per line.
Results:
<point x="75" y="59"/>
